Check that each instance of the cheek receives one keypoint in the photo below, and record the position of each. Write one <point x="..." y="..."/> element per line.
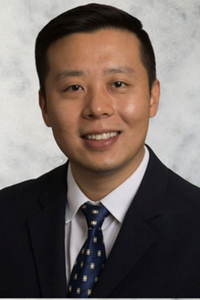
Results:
<point x="135" y="111"/>
<point x="61" y="114"/>
<point x="62" y="122"/>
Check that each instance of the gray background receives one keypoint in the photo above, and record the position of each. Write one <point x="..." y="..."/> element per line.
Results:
<point x="27" y="147"/>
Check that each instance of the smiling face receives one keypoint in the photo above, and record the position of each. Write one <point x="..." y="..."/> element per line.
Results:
<point x="98" y="101"/>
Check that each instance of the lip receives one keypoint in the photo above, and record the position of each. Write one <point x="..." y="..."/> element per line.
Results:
<point x="99" y="132"/>
<point x="100" y="145"/>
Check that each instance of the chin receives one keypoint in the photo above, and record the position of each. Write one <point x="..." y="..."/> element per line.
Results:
<point x="101" y="168"/>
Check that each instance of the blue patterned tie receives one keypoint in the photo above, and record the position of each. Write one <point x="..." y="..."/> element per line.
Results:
<point x="92" y="255"/>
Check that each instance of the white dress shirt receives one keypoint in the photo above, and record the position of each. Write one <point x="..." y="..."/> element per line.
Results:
<point x="117" y="202"/>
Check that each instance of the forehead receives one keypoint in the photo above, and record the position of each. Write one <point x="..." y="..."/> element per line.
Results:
<point x="94" y="53"/>
<point x="95" y="43"/>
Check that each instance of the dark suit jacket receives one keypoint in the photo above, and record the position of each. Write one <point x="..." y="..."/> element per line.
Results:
<point x="156" y="254"/>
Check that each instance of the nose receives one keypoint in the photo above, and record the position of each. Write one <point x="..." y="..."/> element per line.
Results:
<point x="98" y="104"/>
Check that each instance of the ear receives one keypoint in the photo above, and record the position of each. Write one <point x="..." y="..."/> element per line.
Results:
<point x="155" y="96"/>
<point x="43" y="106"/>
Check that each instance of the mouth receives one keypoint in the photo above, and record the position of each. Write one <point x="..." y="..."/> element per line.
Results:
<point x="102" y="136"/>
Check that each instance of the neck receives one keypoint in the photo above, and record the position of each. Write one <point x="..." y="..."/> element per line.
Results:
<point x="97" y="185"/>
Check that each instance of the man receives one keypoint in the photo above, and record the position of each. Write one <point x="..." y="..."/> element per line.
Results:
<point x="98" y="89"/>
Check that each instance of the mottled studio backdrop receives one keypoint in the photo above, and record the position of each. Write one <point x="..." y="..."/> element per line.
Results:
<point x="27" y="148"/>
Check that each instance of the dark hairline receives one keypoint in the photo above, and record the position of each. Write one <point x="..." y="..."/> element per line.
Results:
<point x="58" y="28"/>
<point x="43" y="91"/>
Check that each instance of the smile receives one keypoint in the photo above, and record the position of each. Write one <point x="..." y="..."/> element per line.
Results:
<point x="103" y="136"/>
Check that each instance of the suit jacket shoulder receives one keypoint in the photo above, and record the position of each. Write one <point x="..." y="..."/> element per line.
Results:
<point x="34" y="185"/>
<point x="32" y="216"/>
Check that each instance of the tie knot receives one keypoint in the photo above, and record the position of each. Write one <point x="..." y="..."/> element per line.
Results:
<point x="94" y="214"/>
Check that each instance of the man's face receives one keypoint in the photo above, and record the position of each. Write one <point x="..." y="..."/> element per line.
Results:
<point x="98" y="101"/>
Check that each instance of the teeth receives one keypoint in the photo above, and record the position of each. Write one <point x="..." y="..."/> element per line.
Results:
<point x="103" y="136"/>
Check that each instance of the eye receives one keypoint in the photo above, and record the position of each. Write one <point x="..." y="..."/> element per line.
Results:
<point x="118" y="84"/>
<point x="74" y="88"/>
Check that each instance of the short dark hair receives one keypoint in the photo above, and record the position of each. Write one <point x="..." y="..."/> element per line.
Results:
<point x="90" y="18"/>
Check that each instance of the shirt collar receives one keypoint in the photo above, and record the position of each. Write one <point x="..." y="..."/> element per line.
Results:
<point x="117" y="202"/>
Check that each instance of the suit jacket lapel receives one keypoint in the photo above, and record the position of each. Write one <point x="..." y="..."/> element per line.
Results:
<point x="133" y="241"/>
<point x="46" y="228"/>
<point x="135" y="236"/>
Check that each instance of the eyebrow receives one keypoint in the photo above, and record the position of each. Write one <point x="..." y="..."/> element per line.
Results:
<point x="69" y="73"/>
<point x="119" y="70"/>
<point x="78" y="73"/>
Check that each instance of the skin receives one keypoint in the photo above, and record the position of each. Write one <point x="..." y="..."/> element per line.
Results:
<point x="98" y="84"/>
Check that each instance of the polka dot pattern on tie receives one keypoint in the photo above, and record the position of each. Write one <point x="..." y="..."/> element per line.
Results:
<point x="91" y="258"/>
